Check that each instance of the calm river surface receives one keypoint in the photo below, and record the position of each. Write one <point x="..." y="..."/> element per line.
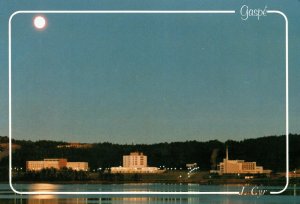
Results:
<point x="291" y="196"/>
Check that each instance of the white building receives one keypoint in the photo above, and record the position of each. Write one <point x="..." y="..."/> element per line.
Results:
<point x="136" y="162"/>
<point x="56" y="164"/>
<point x="34" y="165"/>
<point x="78" y="166"/>
<point x="238" y="167"/>
<point x="191" y="165"/>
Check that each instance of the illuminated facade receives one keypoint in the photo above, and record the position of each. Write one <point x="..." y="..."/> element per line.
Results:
<point x="78" y="166"/>
<point x="56" y="164"/>
<point x="238" y="167"/>
<point x="34" y="165"/>
<point x="136" y="162"/>
<point x="75" y="145"/>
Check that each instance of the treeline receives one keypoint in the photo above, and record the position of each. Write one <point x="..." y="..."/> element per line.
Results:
<point x="266" y="151"/>
<point x="51" y="174"/>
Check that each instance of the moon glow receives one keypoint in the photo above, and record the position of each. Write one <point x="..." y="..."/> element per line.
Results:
<point x="40" y="22"/>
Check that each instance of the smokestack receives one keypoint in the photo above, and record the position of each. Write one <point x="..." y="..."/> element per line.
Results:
<point x="213" y="159"/>
<point x="227" y="153"/>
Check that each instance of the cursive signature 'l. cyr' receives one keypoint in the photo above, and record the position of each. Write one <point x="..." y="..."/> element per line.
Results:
<point x="255" y="191"/>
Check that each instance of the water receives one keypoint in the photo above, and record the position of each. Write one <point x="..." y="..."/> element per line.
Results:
<point x="291" y="195"/>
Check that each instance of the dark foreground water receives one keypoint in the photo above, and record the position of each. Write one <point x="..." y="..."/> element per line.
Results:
<point x="290" y="196"/>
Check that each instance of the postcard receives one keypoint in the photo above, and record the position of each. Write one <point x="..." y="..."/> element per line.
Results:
<point x="149" y="101"/>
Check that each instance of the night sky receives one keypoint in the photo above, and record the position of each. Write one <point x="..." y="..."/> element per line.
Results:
<point x="148" y="78"/>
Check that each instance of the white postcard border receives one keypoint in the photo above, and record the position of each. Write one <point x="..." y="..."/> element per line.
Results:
<point x="142" y="12"/>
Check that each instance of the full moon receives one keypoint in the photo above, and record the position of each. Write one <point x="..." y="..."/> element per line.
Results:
<point x="40" y="22"/>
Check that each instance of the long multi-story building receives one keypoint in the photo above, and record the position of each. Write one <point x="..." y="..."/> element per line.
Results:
<point x="135" y="162"/>
<point x="56" y="164"/>
<point x="239" y="167"/>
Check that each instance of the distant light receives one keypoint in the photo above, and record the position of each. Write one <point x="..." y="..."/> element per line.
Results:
<point x="40" y="22"/>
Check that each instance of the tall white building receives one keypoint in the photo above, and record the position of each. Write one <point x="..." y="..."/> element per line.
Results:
<point x="135" y="162"/>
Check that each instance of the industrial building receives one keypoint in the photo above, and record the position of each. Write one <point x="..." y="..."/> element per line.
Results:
<point x="239" y="167"/>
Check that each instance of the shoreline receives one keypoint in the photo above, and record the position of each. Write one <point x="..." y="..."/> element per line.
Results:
<point x="275" y="182"/>
<point x="171" y="177"/>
